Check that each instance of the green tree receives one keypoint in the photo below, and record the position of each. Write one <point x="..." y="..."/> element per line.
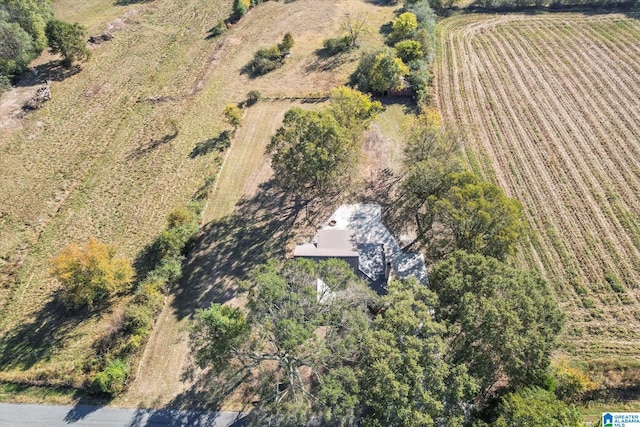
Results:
<point x="291" y="338"/>
<point x="379" y="72"/>
<point x="353" y="109"/>
<point x="16" y="49"/>
<point x="386" y="73"/>
<point x="405" y="378"/>
<point x="403" y="27"/>
<point x="32" y="16"/>
<point x="430" y="159"/>
<point x="535" y="407"/>
<point x="239" y="9"/>
<point x="408" y="50"/>
<point x="311" y="154"/>
<point x="90" y="274"/>
<point x="478" y="215"/>
<point x="68" y="40"/>
<point x="501" y="323"/>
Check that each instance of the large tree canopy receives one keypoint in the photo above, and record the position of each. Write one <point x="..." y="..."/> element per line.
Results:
<point x="22" y="35"/>
<point x="32" y="16"/>
<point x="311" y="153"/>
<point x="380" y="72"/>
<point x="315" y="152"/>
<point x="501" y="322"/>
<point x="291" y="337"/>
<point x="411" y="357"/>
<point x="16" y="48"/>
<point x="405" y="379"/>
<point x="352" y="109"/>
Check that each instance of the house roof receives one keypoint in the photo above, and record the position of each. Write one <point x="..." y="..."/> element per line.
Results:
<point x="366" y="221"/>
<point x="357" y="231"/>
<point x="329" y="243"/>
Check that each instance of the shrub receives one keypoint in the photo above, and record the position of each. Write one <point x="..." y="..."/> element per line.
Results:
<point x="253" y="97"/>
<point x="181" y="216"/>
<point x="112" y="379"/>
<point x="570" y="382"/>
<point x="286" y="44"/>
<point x="218" y="29"/>
<point x="150" y="294"/>
<point x="138" y="319"/>
<point x="337" y="45"/>
<point x="168" y="270"/>
<point x="233" y="115"/>
<point x="269" y="58"/>
<point x="266" y="60"/>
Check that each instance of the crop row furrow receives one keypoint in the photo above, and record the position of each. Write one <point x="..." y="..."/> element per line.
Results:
<point x="594" y="160"/>
<point x="520" y="61"/>
<point x="514" y="130"/>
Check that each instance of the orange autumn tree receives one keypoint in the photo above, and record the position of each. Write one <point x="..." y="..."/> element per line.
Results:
<point x="90" y="274"/>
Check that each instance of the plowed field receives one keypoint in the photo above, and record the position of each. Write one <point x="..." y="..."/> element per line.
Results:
<point x="550" y="105"/>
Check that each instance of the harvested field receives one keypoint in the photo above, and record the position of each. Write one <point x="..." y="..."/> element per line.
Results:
<point x="550" y="105"/>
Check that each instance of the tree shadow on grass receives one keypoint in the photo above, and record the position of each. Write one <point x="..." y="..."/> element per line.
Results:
<point x="228" y="248"/>
<point x="327" y="61"/>
<point x="52" y="70"/>
<point x="219" y="143"/>
<point x="203" y="396"/>
<point x="36" y="340"/>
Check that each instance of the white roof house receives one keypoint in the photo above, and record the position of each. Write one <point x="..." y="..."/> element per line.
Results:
<point x="356" y="234"/>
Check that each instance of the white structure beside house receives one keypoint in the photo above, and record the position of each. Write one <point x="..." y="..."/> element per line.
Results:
<point x="356" y="234"/>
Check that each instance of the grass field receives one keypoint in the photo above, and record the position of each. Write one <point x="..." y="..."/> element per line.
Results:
<point x="116" y="149"/>
<point x="549" y="105"/>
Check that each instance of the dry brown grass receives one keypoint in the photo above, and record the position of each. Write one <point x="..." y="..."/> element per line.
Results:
<point x="550" y="102"/>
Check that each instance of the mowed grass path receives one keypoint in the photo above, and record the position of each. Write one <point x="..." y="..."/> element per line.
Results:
<point x="550" y="107"/>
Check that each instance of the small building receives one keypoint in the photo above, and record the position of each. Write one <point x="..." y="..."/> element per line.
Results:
<point x="355" y="233"/>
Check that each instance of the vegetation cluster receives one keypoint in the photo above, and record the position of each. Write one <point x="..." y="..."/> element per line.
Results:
<point x="26" y="28"/>
<point x="269" y="58"/>
<point x="470" y="349"/>
<point x="90" y="277"/>
<point x="314" y="152"/>
<point x="406" y="64"/>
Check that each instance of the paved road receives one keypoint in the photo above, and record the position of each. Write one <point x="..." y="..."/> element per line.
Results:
<point x="14" y="415"/>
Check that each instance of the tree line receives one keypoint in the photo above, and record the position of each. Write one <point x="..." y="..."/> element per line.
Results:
<point x="405" y="64"/>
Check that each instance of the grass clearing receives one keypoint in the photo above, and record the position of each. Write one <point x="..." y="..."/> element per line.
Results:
<point x="560" y="127"/>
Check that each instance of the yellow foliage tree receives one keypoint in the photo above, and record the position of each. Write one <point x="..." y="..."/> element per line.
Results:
<point x="571" y="382"/>
<point x="90" y="274"/>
